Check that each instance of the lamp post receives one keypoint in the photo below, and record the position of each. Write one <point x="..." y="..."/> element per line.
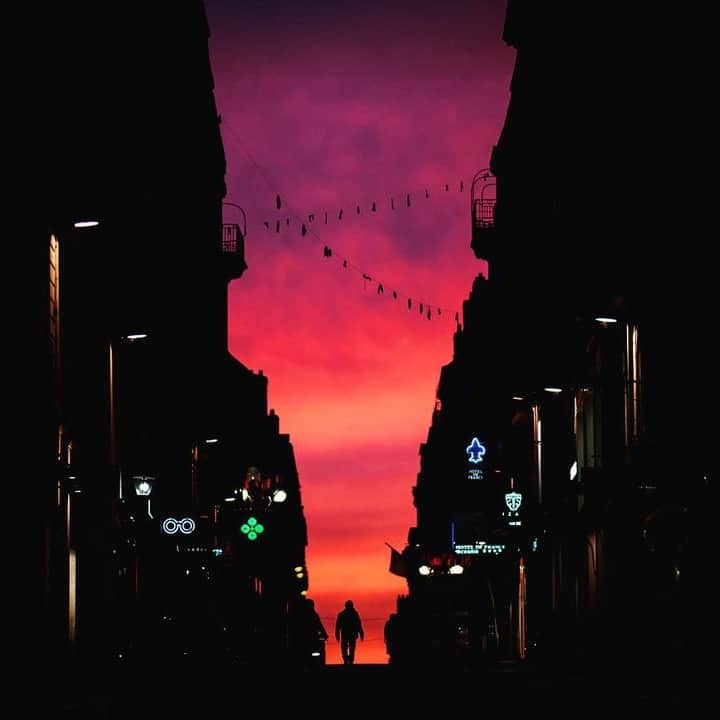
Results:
<point x="201" y="455"/>
<point x="112" y="409"/>
<point x="143" y="488"/>
<point x="64" y="452"/>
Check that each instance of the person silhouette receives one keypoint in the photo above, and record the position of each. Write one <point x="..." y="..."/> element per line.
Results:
<point x="317" y="629"/>
<point x="307" y="630"/>
<point x="347" y="628"/>
<point x="390" y="634"/>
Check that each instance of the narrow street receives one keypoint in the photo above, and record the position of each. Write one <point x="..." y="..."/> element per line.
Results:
<point x="378" y="689"/>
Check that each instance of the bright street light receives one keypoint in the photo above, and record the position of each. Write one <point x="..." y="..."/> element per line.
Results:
<point x="143" y="488"/>
<point x="143" y="484"/>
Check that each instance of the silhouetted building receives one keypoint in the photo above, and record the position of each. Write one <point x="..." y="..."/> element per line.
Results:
<point x="571" y="370"/>
<point x="475" y="520"/>
<point x="586" y="293"/>
<point x="120" y="238"/>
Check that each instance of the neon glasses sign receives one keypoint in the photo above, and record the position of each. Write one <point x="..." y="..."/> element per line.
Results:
<point x="170" y="526"/>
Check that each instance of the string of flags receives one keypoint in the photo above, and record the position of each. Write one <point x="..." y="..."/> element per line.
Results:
<point x="326" y="215"/>
<point x="424" y="309"/>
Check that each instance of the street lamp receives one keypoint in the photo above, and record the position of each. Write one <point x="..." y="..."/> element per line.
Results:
<point x="54" y="277"/>
<point x="143" y="484"/>
<point x="143" y="488"/>
<point x="112" y="411"/>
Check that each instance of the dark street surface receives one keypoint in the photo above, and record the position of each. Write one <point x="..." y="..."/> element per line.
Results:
<point x="336" y="690"/>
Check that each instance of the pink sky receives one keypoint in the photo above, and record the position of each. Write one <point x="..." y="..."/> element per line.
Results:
<point x="332" y="107"/>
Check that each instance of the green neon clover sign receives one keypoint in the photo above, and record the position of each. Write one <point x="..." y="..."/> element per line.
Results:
<point x="252" y="528"/>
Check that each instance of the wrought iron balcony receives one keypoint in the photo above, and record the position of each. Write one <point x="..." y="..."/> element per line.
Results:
<point x="482" y="205"/>
<point x="233" y="251"/>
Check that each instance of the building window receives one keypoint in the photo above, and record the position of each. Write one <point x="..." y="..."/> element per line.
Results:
<point x="588" y="429"/>
<point x="633" y="387"/>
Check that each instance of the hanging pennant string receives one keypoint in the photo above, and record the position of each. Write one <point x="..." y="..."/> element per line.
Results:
<point x="328" y="252"/>
<point x="373" y="205"/>
<point x="424" y="308"/>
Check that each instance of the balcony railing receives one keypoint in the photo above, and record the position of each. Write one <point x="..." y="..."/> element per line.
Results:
<point x="483" y="215"/>
<point x="482" y="207"/>
<point x="233" y="250"/>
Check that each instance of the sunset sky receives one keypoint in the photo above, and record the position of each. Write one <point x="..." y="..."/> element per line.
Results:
<point x="332" y="105"/>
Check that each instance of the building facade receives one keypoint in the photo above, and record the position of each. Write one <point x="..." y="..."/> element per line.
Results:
<point x="573" y="380"/>
<point x="132" y="410"/>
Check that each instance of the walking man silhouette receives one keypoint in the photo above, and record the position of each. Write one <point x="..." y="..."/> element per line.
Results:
<point x="347" y="629"/>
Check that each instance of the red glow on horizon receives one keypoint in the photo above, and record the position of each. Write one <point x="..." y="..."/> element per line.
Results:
<point x="335" y="118"/>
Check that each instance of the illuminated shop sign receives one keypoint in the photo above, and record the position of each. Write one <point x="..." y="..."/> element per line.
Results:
<point x="170" y="526"/>
<point x="476" y="453"/>
<point x="185" y="549"/>
<point x="479" y="548"/>
<point x="252" y="528"/>
<point x="513" y="500"/>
